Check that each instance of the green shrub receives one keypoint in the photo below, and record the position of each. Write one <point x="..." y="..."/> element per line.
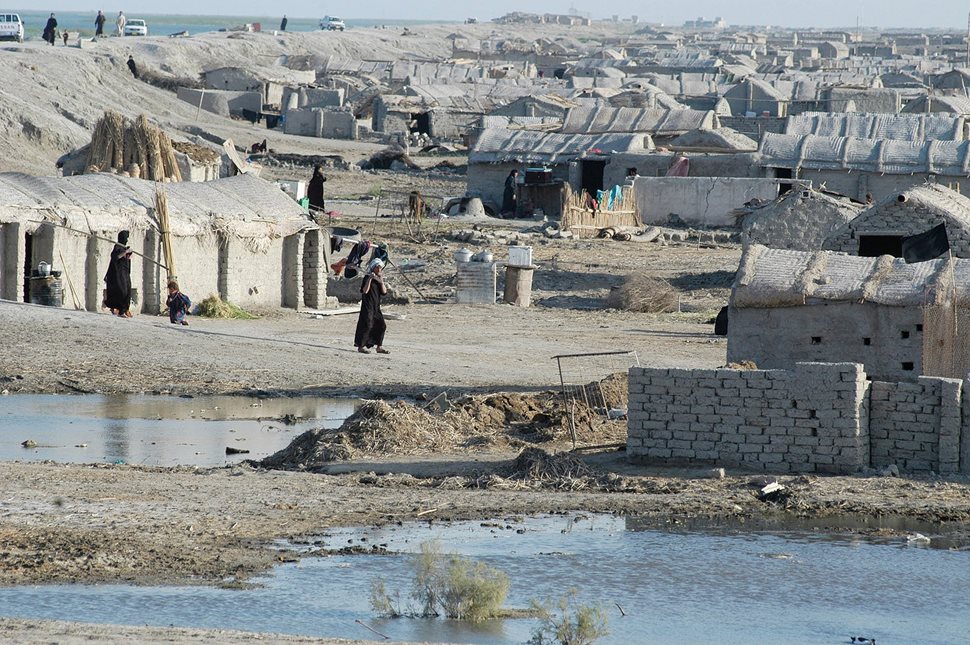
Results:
<point x="447" y="585"/>
<point x="565" y="623"/>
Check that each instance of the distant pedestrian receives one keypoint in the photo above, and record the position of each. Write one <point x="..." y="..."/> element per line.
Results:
<point x="314" y="191"/>
<point x="50" y="30"/>
<point x="178" y="304"/>
<point x="117" y="280"/>
<point x="283" y="23"/>
<point x="120" y="24"/>
<point x="509" y="198"/>
<point x="65" y="36"/>
<point x="132" y="66"/>
<point x="99" y="24"/>
<point x="370" y="325"/>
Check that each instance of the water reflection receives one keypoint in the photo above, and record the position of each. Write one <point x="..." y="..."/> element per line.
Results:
<point x="158" y="431"/>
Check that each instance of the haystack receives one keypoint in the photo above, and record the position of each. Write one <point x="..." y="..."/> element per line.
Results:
<point x="644" y="294"/>
<point x="119" y="144"/>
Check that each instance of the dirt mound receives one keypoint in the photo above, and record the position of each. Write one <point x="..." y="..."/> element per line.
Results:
<point x="376" y="428"/>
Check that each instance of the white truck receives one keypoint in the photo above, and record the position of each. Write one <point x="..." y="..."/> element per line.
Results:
<point x="11" y="27"/>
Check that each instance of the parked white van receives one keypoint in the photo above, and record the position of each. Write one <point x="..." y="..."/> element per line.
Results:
<point x="11" y="27"/>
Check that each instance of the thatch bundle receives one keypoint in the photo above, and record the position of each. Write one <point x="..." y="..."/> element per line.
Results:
<point x="643" y="294"/>
<point x="118" y="144"/>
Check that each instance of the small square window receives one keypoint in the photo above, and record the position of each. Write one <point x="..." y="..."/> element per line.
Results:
<point x="867" y="341"/>
<point x="816" y="340"/>
<point x="907" y="367"/>
<point x="919" y="327"/>
<point x="904" y="335"/>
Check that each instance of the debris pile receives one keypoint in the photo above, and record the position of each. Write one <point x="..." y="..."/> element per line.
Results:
<point x="379" y="428"/>
<point x="135" y="149"/>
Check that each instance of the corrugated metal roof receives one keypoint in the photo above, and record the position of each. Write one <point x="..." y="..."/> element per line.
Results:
<point x="951" y="158"/>
<point x="781" y="278"/>
<point x="501" y="146"/>
<point x="900" y="127"/>
<point x="625" y="119"/>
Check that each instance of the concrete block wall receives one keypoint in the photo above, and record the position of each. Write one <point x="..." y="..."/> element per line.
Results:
<point x="251" y="279"/>
<point x="917" y="426"/>
<point x="816" y="417"/>
<point x="809" y="419"/>
<point x="292" y="267"/>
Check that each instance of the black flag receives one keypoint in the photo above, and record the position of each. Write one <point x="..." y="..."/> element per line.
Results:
<point x="926" y="246"/>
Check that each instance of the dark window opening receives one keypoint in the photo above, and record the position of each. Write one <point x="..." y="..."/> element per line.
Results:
<point x="422" y="123"/>
<point x="904" y="335"/>
<point x="816" y="340"/>
<point x="907" y="366"/>
<point x="919" y="327"/>
<point x="867" y="341"/>
<point x="794" y="405"/>
<point x="814" y="432"/>
<point x="783" y="173"/>
<point x="872" y="246"/>
<point x="812" y="415"/>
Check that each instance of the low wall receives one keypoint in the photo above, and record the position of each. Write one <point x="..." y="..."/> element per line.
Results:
<point x="817" y="417"/>
<point x="699" y="201"/>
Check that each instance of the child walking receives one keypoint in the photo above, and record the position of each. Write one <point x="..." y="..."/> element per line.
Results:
<point x="178" y="304"/>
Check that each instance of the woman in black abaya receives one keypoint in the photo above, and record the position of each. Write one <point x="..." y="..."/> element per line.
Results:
<point x="117" y="279"/>
<point x="371" y="325"/>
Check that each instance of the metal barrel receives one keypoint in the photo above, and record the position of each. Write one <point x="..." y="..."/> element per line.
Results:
<point x="46" y="291"/>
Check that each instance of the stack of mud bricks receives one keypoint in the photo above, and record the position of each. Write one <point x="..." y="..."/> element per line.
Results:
<point x="917" y="426"/>
<point x="316" y="270"/>
<point x="809" y="419"/>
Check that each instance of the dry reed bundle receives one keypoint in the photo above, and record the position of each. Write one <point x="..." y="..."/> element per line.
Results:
<point x="107" y="143"/>
<point x="578" y="215"/>
<point x="644" y="294"/>
<point x="118" y="144"/>
<point x="216" y="307"/>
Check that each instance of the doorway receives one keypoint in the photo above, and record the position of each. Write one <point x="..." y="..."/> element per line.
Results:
<point x="592" y="175"/>
<point x="28" y="263"/>
<point x="783" y="173"/>
<point x="872" y="246"/>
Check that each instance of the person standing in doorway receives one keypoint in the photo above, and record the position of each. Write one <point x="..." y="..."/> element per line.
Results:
<point x="283" y="23"/>
<point x="314" y="191"/>
<point x="370" y="324"/>
<point x="120" y="24"/>
<point x="509" y="198"/>
<point x="117" y="279"/>
<point x="99" y="24"/>
<point x="50" y="30"/>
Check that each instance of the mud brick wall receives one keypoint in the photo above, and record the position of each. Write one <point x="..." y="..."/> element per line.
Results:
<point x="810" y="419"/>
<point x="817" y="417"/>
<point x="916" y="426"/>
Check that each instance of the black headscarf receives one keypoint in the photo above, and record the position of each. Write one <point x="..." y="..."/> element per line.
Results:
<point x="123" y="237"/>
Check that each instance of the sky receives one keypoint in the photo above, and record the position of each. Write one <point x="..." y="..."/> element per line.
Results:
<point x="950" y="14"/>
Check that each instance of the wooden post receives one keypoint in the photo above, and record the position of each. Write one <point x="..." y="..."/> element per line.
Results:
<point x="161" y="208"/>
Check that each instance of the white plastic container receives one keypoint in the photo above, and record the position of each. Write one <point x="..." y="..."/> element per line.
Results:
<point x="520" y="256"/>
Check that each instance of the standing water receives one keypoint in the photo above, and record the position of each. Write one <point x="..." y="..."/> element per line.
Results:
<point x="693" y="587"/>
<point x="158" y="430"/>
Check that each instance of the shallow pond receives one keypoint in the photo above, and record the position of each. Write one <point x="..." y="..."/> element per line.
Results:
<point x="674" y="587"/>
<point x="157" y="430"/>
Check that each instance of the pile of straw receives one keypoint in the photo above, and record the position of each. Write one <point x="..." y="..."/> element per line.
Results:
<point x="643" y="294"/>
<point x="216" y="307"/>
<point x="139" y="149"/>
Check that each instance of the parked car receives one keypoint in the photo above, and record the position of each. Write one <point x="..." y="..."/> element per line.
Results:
<point x="332" y="23"/>
<point x="136" y="27"/>
<point x="11" y="27"/>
